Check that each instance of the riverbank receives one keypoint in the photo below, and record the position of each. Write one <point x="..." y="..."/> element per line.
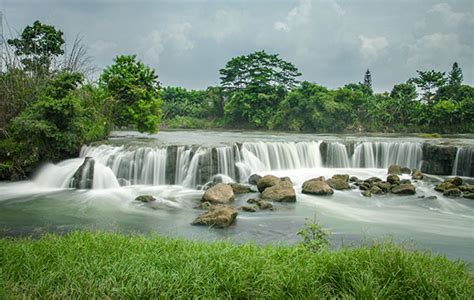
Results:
<point x="108" y="265"/>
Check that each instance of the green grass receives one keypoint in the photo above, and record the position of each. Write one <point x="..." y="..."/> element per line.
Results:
<point x="108" y="265"/>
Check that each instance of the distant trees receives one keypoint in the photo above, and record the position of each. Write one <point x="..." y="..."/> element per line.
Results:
<point x="368" y="79"/>
<point x="455" y="77"/>
<point x="429" y="82"/>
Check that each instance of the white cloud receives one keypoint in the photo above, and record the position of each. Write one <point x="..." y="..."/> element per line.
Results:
<point x="372" y="47"/>
<point x="153" y="47"/>
<point x="445" y="11"/>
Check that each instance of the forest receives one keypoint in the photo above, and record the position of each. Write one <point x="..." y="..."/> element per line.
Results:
<point x="50" y="107"/>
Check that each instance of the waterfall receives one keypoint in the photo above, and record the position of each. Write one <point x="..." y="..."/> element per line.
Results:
<point x="384" y="154"/>
<point x="337" y="156"/>
<point x="183" y="158"/>
<point x="464" y="162"/>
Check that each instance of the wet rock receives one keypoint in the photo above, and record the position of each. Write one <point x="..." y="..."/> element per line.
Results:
<point x="218" y="216"/>
<point x="395" y="169"/>
<point x="316" y="186"/>
<point x="83" y="178"/>
<point x="406" y="170"/>
<point x="249" y="208"/>
<point x="205" y="205"/>
<point x="253" y="200"/>
<point x="338" y="184"/>
<point x="431" y="198"/>
<point x="264" y="204"/>
<point x="145" y="198"/>
<point x="467" y="188"/>
<point x="371" y="180"/>
<point x="343" y="177"/>
<point x="353" y="179"/>
<point x="468" y="195"/>
<point x="376" y="190"/>
<point x="253" y="179"/>
<point x="444" y="186"/>
<point x="240" y="188"/>
<point x="404" y="189"/>
<point x="206" y="186"/>
<point x="365" y="186"/>
<point x="267" y="181"/>
<point x="405" y="181"/>
<point x="281" y="192"/>
<point x="416" y="174"/>
<point x="438" y="159"/>
<point x="393" y="179"/>
<point x="452" y="192"/>
<point x="366" y="193"/>
<point x="384" y="186"/>
<point x="457" y="181"/>
<point x="220" y="193"/>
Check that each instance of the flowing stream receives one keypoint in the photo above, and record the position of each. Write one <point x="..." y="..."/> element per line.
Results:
<point x="174" y="165"/>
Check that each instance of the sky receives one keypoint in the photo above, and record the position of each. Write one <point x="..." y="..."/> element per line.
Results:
<point x="331" y="42"/>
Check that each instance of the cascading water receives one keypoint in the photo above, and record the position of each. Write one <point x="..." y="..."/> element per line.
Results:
<point x="337" y="156"/>
<point x="464" y="162"/>
<point x="384" y="154"/>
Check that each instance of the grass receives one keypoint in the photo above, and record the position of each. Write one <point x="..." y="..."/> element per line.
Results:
<point x="110" y="265"/>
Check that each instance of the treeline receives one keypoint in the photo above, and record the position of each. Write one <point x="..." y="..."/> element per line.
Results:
<point x="48" y="108"/>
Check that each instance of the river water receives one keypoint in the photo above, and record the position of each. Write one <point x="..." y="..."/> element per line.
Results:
<point x="172" y="165"/>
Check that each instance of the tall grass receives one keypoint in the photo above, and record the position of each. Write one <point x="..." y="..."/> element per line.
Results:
<point x="109" y="265"/>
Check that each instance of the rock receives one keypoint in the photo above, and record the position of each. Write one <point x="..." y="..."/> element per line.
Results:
<point x="431" y="198"/>
<point x="452" y="192"/>
<point x="218" y="215"/>
<point x="406" y="170"/>
<point x="468" y="195"/>
<point x="249" y="208"/>
<point x="207" y="186"/>
<point x="353" y="179"/>
<point x="343" y="177"/>
<point x="366" y="193"/>
<point x="338" y="184"/>
<point x="218" y="179"/>
<point x="253" y="201"/>
<point x="467" y="188"/>
<point x="316" y="186"/>
<point x="416" y="174"/>
<point x="438" y="159"/>
<point x="376" y="190"/>
<point x="253" y="179"/>
<point x="267" y="181"/>
<point x="240" y="188"/>
<point x="205" y="205"/>
<point x="404" y="189"/>
<point x="83" y="178"/>
<point x="393" y="179"/>
<point x="264" y="204"/>
<point x="365" y="186"/>
<point x="384" y="186"/>
<point x="282" y="192"/>
<point x="220" y="193"/>
<point x="395" y="169"/>
<point x="457" y="181"/>
<point x="287" y="179"/>
<point x="145" y="198"/>
<point x="444" y="186"/>
<point x="371" y="180"/>
<point x="405" y="181"/>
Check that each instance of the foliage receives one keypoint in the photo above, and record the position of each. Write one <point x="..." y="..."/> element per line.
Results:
<point x="37" y="46"/>
<point x="192" y="123"/>
<point x="368" y="80"/>
<point x="108" y="265"/>
<point x="135" y="89"/>
<point x="314" y="237"/>
<point x="428" y="82"/>
<point x="181" y="102"/>
<point x="455" y="77"/>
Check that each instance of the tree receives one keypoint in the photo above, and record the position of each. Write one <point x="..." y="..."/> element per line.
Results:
<point x="258" y="70"/>
<point x="368" y="80"/>
<point x="429" y="82"/>
<point x="404" y="91"/>
<point x="455" y="77"/>
<point x="37" y="46"/>
<point x="135" y="88"/>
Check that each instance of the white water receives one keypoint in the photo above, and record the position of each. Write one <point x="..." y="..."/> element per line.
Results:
<point x="463" y="162"/>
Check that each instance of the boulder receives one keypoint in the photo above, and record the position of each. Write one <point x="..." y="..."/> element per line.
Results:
<point x="264" y="204"/>
<point x="384" y="186"/>
<point x="438" y="159"/>
<point x="343" y="177"/>
<point x="468" y="195"/>
<point x="282" y="192"/>
<point x="444" y="186"/>
<point x="253" y="201"/>
<point x="366" y="193"/>
<point x="205" y="205"/>
<point x="416" y="174"/>
<point x="353" y="179"/>
<point x="406" y="170"/>
<point x="83" y="178"/>
<point x="253" y="179"/>
<point x="376" y="190"/>
<point x="405" y="181"/>
<point x="240" y="188"/>
<point x="395" y="169"/>
<point x="249" y="208"/>
<point x="393" y="179"/>
<point x="452" y="192"/>
<point x="371" y="180"/>
<point x="457" y="181"/>
<point x="338" y="184"/>
<point x="221" y="193"/>
<point x="218" y="216"/>
<point x="145" y="198"/>
<point x="316" y="186"/>
<point x="267" y="181"/>
<point x="365" y="186"/>
<point x="404" y="189"/>
<point x="467" y="188"/>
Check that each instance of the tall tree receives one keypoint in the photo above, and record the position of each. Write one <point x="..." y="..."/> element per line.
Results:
<point x="455" y="77"/>
<point x="37" y="46"/>
<point x="368" y="79"/>
<point x="135" y="88"/>
<point x="429" y="82"/>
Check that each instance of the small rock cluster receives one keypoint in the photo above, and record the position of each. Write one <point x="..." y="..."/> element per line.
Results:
<point x="456" y="187"/>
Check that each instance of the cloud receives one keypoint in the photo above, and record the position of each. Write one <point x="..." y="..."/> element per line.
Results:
<point x="154" y="47"/>
<point x="445" y="10"/>
<point x="298" y="14"/>
<point x="372" y="47"/>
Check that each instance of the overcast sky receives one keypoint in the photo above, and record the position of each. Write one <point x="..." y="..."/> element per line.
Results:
<point x="332" y="42"/>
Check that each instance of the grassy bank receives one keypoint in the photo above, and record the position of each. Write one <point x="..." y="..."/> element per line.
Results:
<point x="86" y="265"/>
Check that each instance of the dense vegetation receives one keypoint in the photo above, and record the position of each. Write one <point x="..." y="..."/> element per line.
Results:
<point x="48" y="108"/>
<point x="107" y="265"/>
